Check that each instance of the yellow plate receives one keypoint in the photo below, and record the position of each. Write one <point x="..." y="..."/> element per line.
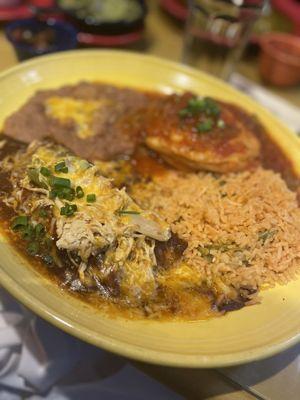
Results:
<point x="249" y="334"/>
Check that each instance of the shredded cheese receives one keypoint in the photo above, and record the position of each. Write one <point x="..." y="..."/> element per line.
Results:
<point x="81" y="112"/>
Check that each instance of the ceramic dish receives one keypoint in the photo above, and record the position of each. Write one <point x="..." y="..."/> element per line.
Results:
<point x="22" y="9"/>
<point x="12" y="13"/>
<point x="115" y="27"/>
<point x="280" y="59"/>
<point x="125" y="39"/>
<point x="249" y="334"/>
<point x="58" y="36"/>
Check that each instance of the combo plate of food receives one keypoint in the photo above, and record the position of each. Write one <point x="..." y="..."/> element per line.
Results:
<point x="149" y="209"/>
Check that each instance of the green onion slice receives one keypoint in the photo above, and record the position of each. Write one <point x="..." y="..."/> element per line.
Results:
<point x="129" y="212"/>
<point x="91" y="198"/>
<point x="20" y="221"/>
<point x="43" y="213"/>
<point x="33" y="248"/>
<point x="39" y="230"/>
<point x="68" y="210"/>
<point x="61" y="167"/>
<point x="58" y="182"/>
<point x="205" y="126"/>
<point x="45" y="171"/>
<point x="79" y="192"/>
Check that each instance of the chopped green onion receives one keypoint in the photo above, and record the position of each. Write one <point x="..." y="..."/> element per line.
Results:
<point x="58" y="182"/>
<point x="47" y="242"/>
<point x="91" y="198"/>
<point x="20" y="221"/>
<point x="204" y="250"/>
<point x="33" y="175"/>
<point x="205" y="253"/>
<point x="197" y="105"/>
<point x="211" y="107"/>
<point x="68" y="210"/>
<point x="129" y="212"/>
<point x="59" y="193"/>
<point x="264" y="235"/>
<point x="61" y="167"/>
<point x="69" y="194"/>
<point x="194" y="106"/>
<point x="79" y="192"/>
<point x="222" y="182"/>
<point x="205" y="126"/>
<point x="52" y="194"/>
<point x="63" y="210"/>
<point x="39" y="230"/>
<point x="33" y="248"/>
<point x="43" y="213"/>
<point x="184" y="113"/>
<point x="28" y="232"/>
<point x="66" y="193"/>
<point x="45" y="171"/>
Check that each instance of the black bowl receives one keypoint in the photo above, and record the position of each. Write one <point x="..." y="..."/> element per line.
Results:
<point x="65" y="37"/>
<point x="106" y="28"/>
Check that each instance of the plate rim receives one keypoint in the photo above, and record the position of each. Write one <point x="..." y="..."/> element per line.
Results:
<point x="118" y="346"/>
<point x="139" y="353"/>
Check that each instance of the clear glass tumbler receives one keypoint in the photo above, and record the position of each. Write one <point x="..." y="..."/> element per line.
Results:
<point x="217" y="32"/>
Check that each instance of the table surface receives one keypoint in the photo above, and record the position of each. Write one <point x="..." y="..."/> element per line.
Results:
<point x="164" y="38"/>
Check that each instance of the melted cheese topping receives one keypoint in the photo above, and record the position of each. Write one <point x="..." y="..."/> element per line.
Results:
<point x="113" y="226"/>
<point x="82" y="173"/>
<point x="109" y="201"/>
<point x="81" y="112"/>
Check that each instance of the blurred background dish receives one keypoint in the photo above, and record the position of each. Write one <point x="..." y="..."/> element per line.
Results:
<point x="112" y="17"/>
<point x="19" y="9"/>
<point x="10" y="3"/>
<point x="31" y="37"/>
<point x="280" y="59"/>
<point x="95" y="40"/>
<point x="113" y="33"/>
<point x="291" y="9"/>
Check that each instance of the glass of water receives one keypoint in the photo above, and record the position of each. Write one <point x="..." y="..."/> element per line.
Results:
<point x="217" y="32"/>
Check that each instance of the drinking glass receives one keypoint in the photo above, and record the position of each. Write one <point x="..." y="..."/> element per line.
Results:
<point x="217" y="32"/>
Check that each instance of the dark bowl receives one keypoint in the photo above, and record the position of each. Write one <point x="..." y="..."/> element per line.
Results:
<point x="64" y="37"/>
<point x="10" y="3"/>
<point x="106" y="28"/>
<point x="279" y="60"/>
